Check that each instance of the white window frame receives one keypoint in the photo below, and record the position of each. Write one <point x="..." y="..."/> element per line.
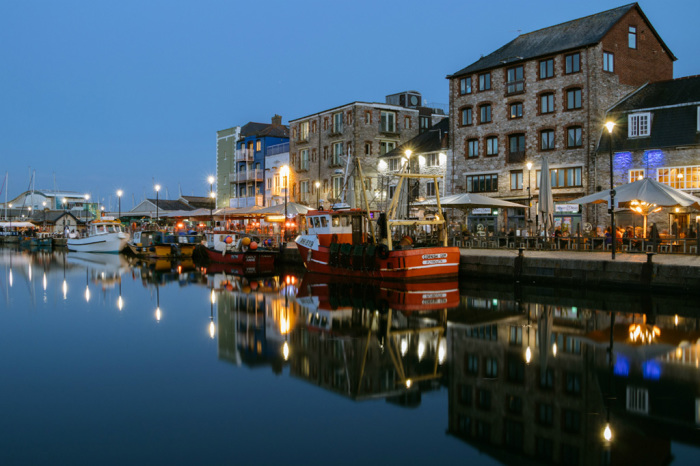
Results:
<point x="387" y="122"/>
<point x="303" y="130"/>
<point x="386" y="146"/>
<point x="637" y="171"/>
<point x="337" y="186"/>
<point x="698" y="120"/>
<point x="639" y="125"/>
<point x="609" y="62"/>
<point x="394" y="164"/>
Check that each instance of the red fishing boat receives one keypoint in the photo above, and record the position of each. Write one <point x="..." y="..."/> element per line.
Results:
<point x="236" y="249"/>
<point x="361" y="243"/>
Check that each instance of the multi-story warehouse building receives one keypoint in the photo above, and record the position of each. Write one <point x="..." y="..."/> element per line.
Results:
<point x="545" y="94"/>
<point x="240" y="161"/>
<point x="321" y="143"/>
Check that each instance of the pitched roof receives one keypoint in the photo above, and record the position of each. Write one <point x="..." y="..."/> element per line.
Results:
<point x="197" y="201"/>
<point x="264" y="129"/>
<point x="571" y="35"/>
<point x="429" y="141"/>
<point x="662" y="94"/>
<point x="674" y="106"/>
<point x="169" y="204"/>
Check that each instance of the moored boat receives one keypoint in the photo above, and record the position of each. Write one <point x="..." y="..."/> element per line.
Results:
<point x="237" y="249"/>
<point x="103" y="235"/>
<point x="360" y="243"/>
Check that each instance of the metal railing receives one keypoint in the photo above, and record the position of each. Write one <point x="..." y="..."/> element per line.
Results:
<point x="277" y="149"/>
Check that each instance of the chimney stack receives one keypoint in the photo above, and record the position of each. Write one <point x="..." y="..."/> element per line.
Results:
<point x="277" y="120"/>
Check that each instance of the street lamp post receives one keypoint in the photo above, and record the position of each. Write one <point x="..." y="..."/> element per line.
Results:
<point x="318" y="185"/>
<point x="284" y="172"/>
<point x="529" y="197"/>
<point x="212" y="198"/>
<point x="44" y="205"/>
<point x="408" y="183"/>
<point x="157" y="188"/>
<point x="119" y="201"/>
<point x="87" y="198"/>
<point x="610" y="125"/>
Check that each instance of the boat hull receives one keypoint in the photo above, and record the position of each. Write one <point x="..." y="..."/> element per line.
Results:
<point x="249" y="259"/>
<point x="405" y="264"/>
<point x="108" y="243"/>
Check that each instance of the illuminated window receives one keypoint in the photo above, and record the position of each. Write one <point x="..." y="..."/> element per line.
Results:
<point x="637" y="174"/>
<point x="465" y="86"/>
<point x="685" y="178"/>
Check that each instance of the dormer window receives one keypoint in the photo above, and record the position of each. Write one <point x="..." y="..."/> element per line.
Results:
<point x="639" y="125"/>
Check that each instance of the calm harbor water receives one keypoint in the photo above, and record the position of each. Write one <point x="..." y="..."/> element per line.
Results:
<point x="104" y="360"/>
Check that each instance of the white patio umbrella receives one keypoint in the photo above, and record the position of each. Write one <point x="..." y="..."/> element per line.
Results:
<point x="546" y="203"/>
<point x="468" y="200"/>
<point x="293" y="209"/>
<point x="644" y="197"/>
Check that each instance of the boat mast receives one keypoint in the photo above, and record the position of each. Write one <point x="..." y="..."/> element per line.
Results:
<point x="364" y="198"/>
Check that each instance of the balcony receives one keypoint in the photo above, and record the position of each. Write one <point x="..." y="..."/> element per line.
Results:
<point x="244" y="155"/>
<point x="277" y="149"/>
<point x="238" y="202"/>
<point x="250" y="175"/>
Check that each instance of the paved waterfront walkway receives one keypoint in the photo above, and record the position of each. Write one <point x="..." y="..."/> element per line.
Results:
<point x="622" y="257"/>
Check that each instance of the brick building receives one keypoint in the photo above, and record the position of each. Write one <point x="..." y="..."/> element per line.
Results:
<point x="545" y="94"/>
<point x="656" y="135"/>
<point x="320" y="144"/>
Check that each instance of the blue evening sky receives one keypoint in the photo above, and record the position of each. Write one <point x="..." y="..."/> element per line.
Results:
<point x="102" y="95"/>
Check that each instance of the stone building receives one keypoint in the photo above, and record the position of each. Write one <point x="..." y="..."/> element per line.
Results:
<point x="545" y="94"/>
<point x="655" y="136"/>
<point x="321" y="143"/>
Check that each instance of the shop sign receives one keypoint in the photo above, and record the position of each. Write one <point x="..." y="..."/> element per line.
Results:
<point x="569" y="208"/>
<point x="481" y="211"/>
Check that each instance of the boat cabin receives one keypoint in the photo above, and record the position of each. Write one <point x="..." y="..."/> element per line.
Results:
<point x="339" y="226"/>
<point x="104" y="226"/>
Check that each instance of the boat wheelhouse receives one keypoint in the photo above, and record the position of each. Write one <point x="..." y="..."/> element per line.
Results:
<point x="103" y="235"/>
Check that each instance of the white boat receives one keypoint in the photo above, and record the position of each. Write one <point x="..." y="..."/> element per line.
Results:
<point x="103" y="235"/>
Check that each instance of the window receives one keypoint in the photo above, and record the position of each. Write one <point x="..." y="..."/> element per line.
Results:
<point x="632" y="37"/>
<point x="547" y="379"/>
<point x="514" y="404"/>
<point x="337" y="152"/>
<point x="465" y="86"/>
<point x="638" y="125"/>
<point x="637" y="400"/>
<point x="608" y="62"/>
<point x="485" y="113"/>
<point x="473" y="148"/>
<point x="547" y="103"/>
<point x="337" y="123"/>
<point x="492" y="145"/>
<point x="337" y="186"/>
<point x="368" y="148"/>
<point x="432" y="160"/>
<point x="572" y="344"/>
<point x="465" y="394"/>
<point x="564" y="177"/>
<point x="472" y="364"/>
<point x="571" y="421"/>
<point x="573" y="98"/>
<point x="386" y="146"/>
<point x="547" y="139"/>
<point x="424" y="122"/>
<point x="516" y="335"/>
<point x="407" y="122"/>
<point x="314" y="126"/>
<point x="484" y="399"/>
<point x="544" y="449"/>
<point x="388" y="122"/>
<point x="545" y="414"/>
<point x="574" y="137"/>
<point x="258" y="145"/>
<point x="430" y="188"/>
<point x="636" y="174"/>
<point x="573" y="383"/>
<point x="491" y="369"/>
<point x="304" y="189"/>
<point x="516" y="110"/>
<point x="516" y="180"/>
<point x="485" y="82"/>
<point x="368" y="117"/>
<point x="516" y="370"/>
<point x="304" y="131"/>
<point x="482" y="183"/>
<point x="395" y="164"/>
<point x="467" y="116"/>
<point x="547" y="68"/>
<point x="573" y="63"/>
<point x="515" y="81"/>
<point x="516" y="148"/>
<point x="304" y="159"/>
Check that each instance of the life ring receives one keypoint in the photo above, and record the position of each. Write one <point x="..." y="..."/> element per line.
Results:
<point x="382" y="251"/>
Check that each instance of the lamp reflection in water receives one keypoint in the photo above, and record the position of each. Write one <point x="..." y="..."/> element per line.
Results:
<point x="10" y="280"/>
<point x="43" y="281"/>
<point x="65" y="284"/>
<point x="528" y="351"/>
<point x="212" y="327"/>
<point x="87" y="286"/>
<point x="120" y="301"/>
<point x="158" y="312"/>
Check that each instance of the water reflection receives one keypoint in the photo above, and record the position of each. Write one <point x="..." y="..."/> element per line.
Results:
<point x="527" y="373"/>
